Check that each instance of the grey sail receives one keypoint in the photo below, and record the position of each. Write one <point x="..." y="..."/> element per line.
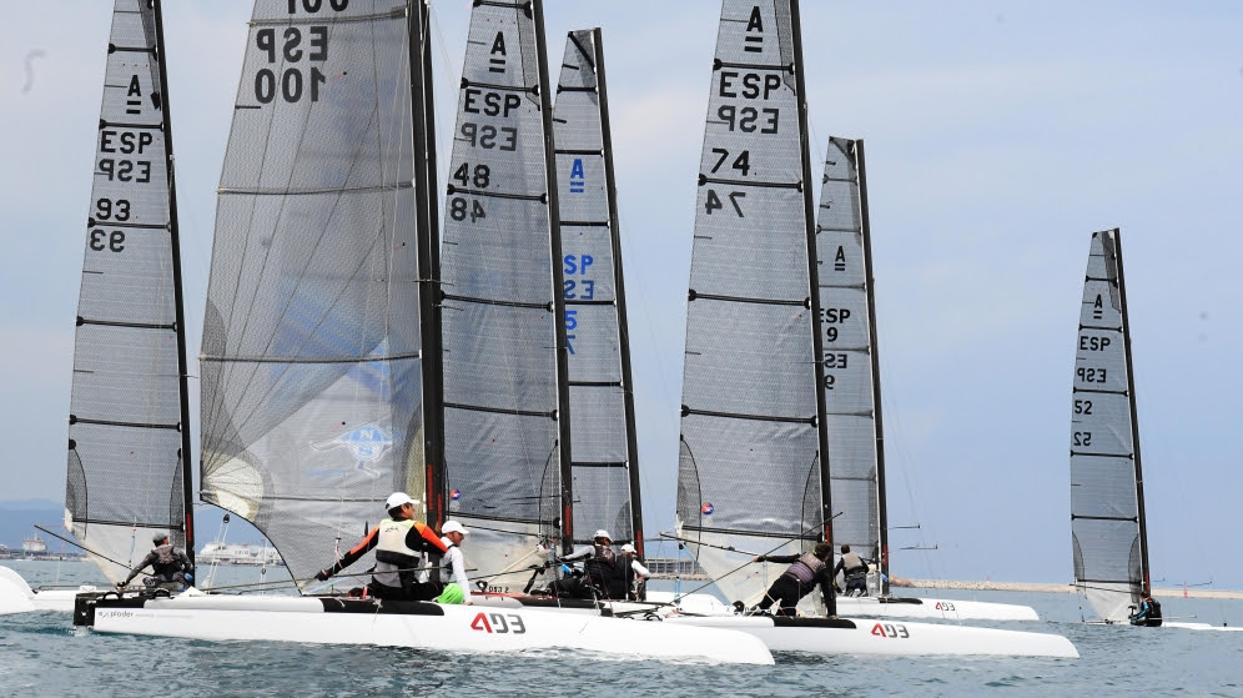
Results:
<point x="128" y="421"/>
<point x="750" y="473"/>
<point x="604" y="458"/>
<point x="506" y="417"/>
<point x="1106" y="493"/>
<point x="848" y="336"/>
<point x="311" y="373"/>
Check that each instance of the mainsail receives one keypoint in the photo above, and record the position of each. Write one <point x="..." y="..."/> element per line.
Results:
<point x="311" y="368"/>
<point x="751" y="474"/>
<point x="604" y="462"/>
<point x="851" y="372"/>
<point x="506" y="410"/>
<point x="1106" y="486"/>
<point x="128" y="416"/>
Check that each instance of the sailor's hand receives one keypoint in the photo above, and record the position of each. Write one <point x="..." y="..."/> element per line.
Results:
<point x="758" y="558"/>
<point x="322" y="575"/>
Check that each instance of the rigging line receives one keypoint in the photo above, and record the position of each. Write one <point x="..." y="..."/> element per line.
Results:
<point x="83" y="547"/>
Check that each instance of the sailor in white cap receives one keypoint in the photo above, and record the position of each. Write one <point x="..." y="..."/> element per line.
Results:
<point x="637" y="573"/>
<point x="401" y="542"/>
<point x="458" y="588"/>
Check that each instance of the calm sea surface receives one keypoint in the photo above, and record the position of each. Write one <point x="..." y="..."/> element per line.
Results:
<point x="42" y="655"/>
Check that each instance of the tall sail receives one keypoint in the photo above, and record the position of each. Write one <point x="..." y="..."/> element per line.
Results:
<point x="312" y="405"/>
<point x="128" y="416"/>
<point x="851" y="368"/>
<point x="604" y="461"/>
<point x="1106" y="487"/>
<point x="750" y="473"/>
<point x="505" y="404"/>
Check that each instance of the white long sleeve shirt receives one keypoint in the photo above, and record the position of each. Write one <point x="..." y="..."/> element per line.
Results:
<point x="455" y="564"/>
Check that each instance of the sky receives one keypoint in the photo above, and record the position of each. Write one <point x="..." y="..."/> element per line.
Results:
<point x="999" y="136"/>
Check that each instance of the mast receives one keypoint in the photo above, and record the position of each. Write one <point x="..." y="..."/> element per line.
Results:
<point x="558" y="275"/>
<point x="187" y="476"/>
<point x="822" y="422"/>
<point x="423" y="123"/>
<point x="623" y="329"/>
<point x="870" y="285"/>
<point x="1116" y="234"/>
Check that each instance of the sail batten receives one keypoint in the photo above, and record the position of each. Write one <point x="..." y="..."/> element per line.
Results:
<point x="505" y="418"/>
<point x="312" y="359"/>
<point x="604" y="458"/>
<point x="750" y="470"/>
<point x="1107" y="517"/>
<point x="128" y="422"/>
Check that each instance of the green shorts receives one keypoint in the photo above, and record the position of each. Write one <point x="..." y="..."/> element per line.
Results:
<point x="453" y="594"/>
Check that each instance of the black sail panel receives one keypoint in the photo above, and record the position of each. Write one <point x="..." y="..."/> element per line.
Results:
<point x="500" y="310"/>
<point x="1106" y="502"/>
<point x="311" y="372"/>
<point x="126" y="466"/>
<point x="602" y="415"/>
<point x="749" y="471"/>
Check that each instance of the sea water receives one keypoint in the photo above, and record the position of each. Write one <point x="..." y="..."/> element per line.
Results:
<point x="41" y="654"/>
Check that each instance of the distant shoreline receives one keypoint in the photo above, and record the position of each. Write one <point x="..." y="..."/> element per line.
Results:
<point x="1054" y="588"/>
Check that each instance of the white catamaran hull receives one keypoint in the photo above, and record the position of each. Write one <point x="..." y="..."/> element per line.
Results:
<point x="939" y="609"/>
<point x="417" y="625"/>
<point x="880" y="637"/>
<point x="15" y="594"/>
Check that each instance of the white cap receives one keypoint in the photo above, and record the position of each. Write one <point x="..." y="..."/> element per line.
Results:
<point x="628" y="548"/>
<point x="453" y="527"/>
<point x="601" y="533"/>
<point x="398" y="499"/>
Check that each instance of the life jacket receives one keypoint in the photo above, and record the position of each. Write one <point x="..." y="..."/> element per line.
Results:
<point x="607" y="571"/>
<point x="167" y="564"/>
<point x="853" y="567"/>
<point x="392" y="554"/>
<point x="806" y="568"/>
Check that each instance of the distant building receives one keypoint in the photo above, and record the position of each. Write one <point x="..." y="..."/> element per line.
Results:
<point x="222" y="554"/>
<point x="34" y="547"/>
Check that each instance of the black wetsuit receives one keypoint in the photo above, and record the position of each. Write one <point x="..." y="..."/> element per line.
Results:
<point x="169" y="567"/>
<point x="1148" y="614"/>
<point x="796" y="582"/>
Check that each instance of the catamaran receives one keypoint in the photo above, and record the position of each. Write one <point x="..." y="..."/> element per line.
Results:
<point x="129" y="425"/>
<point x="322" y="351"/>
<point x="852" y="394"/>
<point x="1109" y="529"/>
<point x="754" y="472"/>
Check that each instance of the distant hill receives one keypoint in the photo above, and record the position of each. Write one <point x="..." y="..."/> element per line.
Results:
<point x="18" y="517"/>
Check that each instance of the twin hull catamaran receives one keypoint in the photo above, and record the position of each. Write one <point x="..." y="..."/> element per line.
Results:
<point x="757" y="371"/>
<point x="325" y="249"/>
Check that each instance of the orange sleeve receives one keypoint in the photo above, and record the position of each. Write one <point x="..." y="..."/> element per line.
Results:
<point x="430" y="536"/>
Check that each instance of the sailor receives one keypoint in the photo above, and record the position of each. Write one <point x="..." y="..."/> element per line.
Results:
<point x="803" y="574"/>
<point x="457" y="590"/>
<point x="637" y="573"/>
<point x="854" y="570"/>
<point x="605" y="571"/>
<point x="171" y="567"/>
<point x="1149" y="612"/>
<point x="401" y="545"/>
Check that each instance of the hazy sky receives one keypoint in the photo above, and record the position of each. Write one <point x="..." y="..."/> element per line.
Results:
<point x="999" y="136"/>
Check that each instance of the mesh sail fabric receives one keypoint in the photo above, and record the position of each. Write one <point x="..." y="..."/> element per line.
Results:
<point x="749" y="462"/>
<point x="499" y="314"/>
<point x="600" y="460"/>
<point x="846" y="338"/>
<point x="125" y="464"/>
<point x="1104" y="499"/>
<point x="311" y="376"/>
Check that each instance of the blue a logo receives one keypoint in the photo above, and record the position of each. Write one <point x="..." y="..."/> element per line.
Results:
<point x="578" y="177"/>
<point x="367" y="444"/>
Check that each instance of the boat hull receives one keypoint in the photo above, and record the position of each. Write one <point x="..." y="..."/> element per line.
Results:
<point x="938" y="609"/>
<point x="885" y="638"/>
<point x="334" y="620"/>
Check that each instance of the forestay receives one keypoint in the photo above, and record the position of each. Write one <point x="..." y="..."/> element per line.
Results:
<point x="750" y="474"/>
<point x="128" y="427"/>
<point x="506" y="422"/>
<point x="312" y="382"/>
<point x="1107" y="514"/>
<point x="848" y="338"/>
<point x="604" y="458"/>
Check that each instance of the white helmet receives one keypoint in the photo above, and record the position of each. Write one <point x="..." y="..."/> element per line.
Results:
<point x="451" y="527"/>
<point x="398" y="499"/>
<point x="601" y="533"/>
